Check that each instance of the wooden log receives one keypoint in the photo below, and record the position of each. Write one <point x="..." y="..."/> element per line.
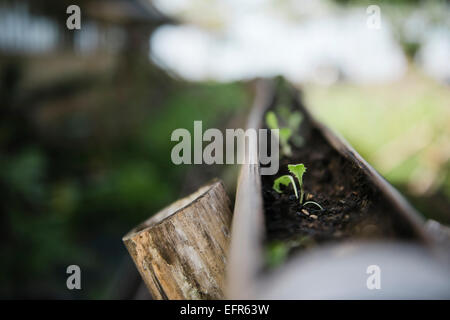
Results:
<point x="181" y="251"/>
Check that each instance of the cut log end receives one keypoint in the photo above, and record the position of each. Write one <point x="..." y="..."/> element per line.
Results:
<point x="181" y="251"/>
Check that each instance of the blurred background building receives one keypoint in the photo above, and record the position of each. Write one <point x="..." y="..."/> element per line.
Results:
<point x="86" y="115"/>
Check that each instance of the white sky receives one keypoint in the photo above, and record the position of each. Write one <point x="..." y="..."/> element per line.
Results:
<point x="313" y="42"/>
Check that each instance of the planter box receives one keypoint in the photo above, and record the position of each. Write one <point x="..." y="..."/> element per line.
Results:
<point x="396" y="223"/>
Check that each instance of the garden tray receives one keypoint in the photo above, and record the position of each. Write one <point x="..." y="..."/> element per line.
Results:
<point x="360" y="206"/>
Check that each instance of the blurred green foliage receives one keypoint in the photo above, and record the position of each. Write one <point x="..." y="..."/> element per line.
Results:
<point x="400" y="128"/>
<point x="276" y="253"/>
<point x="79" y="169"/>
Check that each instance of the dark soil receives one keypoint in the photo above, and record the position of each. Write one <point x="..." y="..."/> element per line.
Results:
<point x="353" y="206"/>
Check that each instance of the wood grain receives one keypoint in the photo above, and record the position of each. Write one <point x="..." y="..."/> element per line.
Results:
<point x="181" y="251"/>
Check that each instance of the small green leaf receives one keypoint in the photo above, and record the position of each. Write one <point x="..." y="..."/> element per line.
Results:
<point x="291" y="119"/>
<point x="276" y="253"/>
<point x="285" y="180"/>
<point x="285" y="134"/>
<point x="298" y="170"/>
<point x="271" y="120"/>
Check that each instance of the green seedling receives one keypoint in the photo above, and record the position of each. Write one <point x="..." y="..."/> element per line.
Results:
<point x="285" y="181"/>
<point x="271" y="120"/>
<point x="297" y="170"/>
<point x="276" y="253"/>
<point x="284" y="133"/>
<point x="292" y="119"/>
